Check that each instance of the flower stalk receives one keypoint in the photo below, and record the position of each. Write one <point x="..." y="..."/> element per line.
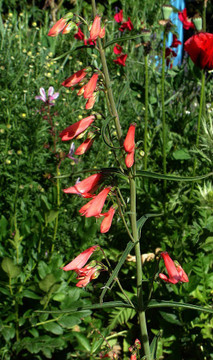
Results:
<point x="163" y="108"/>
<point x="146" y="110"/>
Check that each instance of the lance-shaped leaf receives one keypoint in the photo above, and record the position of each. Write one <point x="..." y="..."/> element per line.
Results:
<point x="115" y="272"/>
<point x="153" y="175"/>
<point x="175" y="304"/>
<point x="142" y="220"/>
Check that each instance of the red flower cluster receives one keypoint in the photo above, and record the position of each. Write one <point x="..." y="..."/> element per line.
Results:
<point x="88" y="272"/>
<point x="120" y="60"/>
<point x="183" y="18"/>
<point x="200" y="50"/>
<point x="88" y="90"/>
<point x="175" y="271"/>
<point x="129" y="146"/>
<point x="86" y="189"/>
<point x="95" y="32"/>
<point x="124" y="24"/>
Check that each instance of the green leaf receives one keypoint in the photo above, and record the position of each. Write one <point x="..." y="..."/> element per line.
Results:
<point x="47" y="282"/>
<point x="153" y="175"/>
<point x="171" y="318"/>
<point x="142" y="220"/>
<point x="51" y="216"/>
<point x="69" y="321"/>
<point x="10" y="268"/>
<point x="121" y="39"/>
<point x="174" y="304"/>
<point x="83" y="341"/>
<point x="154" y="346"/>
<point x="109" y="304"/>
<point x="115" y="272"/>
<point x="8" y="333"/>
<point x="181" y="154"/>
<point x="103" y="133"/>
<point x="30" y="294"/>
<point x="54" y="328"/>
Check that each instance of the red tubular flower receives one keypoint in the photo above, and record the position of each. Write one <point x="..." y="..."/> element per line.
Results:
<point x="58" y="27"/>
<point x="90" y="86"/>
<point x="129" y="142"/>
<point x="175" y="41"/>
<point x="121" y="60"/>
<point x="102" y="33"/>
<point x="79" y="35"/>
<point x="119" y="16"/>
<point x="75" y="78"/>
<point x="67" y="29"/>
<point x="77" y="128"/>
<point x="183" y="18"/>
<point x="126" y="25"/>
<point x="88" y="185"/>
<point x="129" y="160"/>
<point x="107" y="221"/>
<point x="95" y="206"/>
<point x="117" y="49"/>
<point x="200" y="50"/>
<point x="91" y="102"/>
<point x="84" y="147"/>
<point x="86" y="274"/>
<point x="96" y="28"/>
<point x="81" y="259"/>
<point x="175" y="272"/>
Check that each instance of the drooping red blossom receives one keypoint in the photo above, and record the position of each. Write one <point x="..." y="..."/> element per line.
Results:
<point x="200" y="50"/>
<point x="79" y="35"/>
<point x="96" y="28"/>
<point x="67" y="29"/>
<point x="183" y="18"/>
<point x="121" y="60"/>
<point x="129" y="160"/>
<point x="88" y="185"/>
<point x="175" y="271"/>
<point x="95" y="206"/>
<point x="57" y="28"/>
<point x="117" y="49"/>
<point x="102" y="33"/>
<point x="77" y="128"/>
<point x="119" y="16"/>
<point x="86" y="274"/>
<point x="169" y="53"/>
<point x="84" y="147"/>
<point x="90" y="86"/>
<point x="129" y="142"/>
<point x="126" y="25"/>
<point x="81" y="259"/>
<point x="107" y="221"/>
<point x="175" y="41"/>
<point x="75" y="78"/>
<point x="91" y="102"/>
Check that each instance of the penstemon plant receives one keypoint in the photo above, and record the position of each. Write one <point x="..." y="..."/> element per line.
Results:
<point x="104" y="184"/>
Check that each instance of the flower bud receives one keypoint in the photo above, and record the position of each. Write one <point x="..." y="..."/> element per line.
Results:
<point x="167" y="10"/>
<point x="198" y="22"/>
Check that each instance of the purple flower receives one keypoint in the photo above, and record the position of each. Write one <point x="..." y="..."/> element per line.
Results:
<point x="71" y="152"/>
<point x="51" y="96"/>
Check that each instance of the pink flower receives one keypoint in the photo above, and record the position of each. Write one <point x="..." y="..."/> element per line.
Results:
<point x="58" y="27"/>
<point x="183" y="18"/>
<point x="75" y="78"/>
<point x="95" y="206"/>
<point x="107" y="221"/>
<point x="175" y="271"/>
<point x="117" y="49"/>
<point x="84" y="147"/>
<point x="119" y="16"/>
<point x="51" y="96"/>
<point x="77" y="128"/>
<point x="121" y="60"/>
<point x="90" y="86"/>
<point x="88" y="185"/>
<point x="81" y="259"/>
<point x="175" y="41"/>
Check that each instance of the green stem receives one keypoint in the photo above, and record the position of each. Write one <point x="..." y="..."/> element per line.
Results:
<point x="204" y="15"/>
<point x="141" y="312"/>
<point x="58" y="206"/>
<point x="146" y="111"/>
<point x="163" y="108"/>
<point x="201" y="109"/>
